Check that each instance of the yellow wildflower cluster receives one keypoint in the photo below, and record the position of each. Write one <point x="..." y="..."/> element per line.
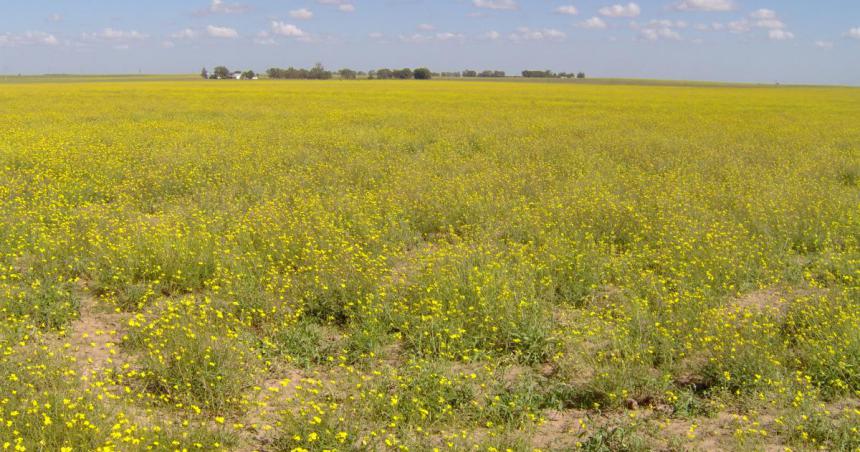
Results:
<point x="428" y="266"/>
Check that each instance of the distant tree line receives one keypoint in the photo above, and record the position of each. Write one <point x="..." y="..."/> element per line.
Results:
<point x="319" y="72"/>
<point x="349" y="74"/>
<point x="550" y="74"/>
<point x="421" y="73"/>
<point x="472" y="73"/>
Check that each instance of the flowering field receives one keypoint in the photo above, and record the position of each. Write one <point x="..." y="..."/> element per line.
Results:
<point x="418" y="265"/>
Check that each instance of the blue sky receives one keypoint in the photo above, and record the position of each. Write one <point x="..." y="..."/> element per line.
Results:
<point x="790" y="41"/>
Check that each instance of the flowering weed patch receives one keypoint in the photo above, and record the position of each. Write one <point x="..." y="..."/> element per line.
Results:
<point x="416" y="266"/>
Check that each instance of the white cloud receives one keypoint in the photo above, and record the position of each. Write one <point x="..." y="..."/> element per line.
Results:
<point x="447" y="36"/>
<point x="426" y="27"/>
<point x="301" y="14"/>
<point x="595" y="23"/>
<point x="288" y="30"/>
<point x="567" y="9"/>
<point x="629" y="10"/>
<point x="824" y="44"/>
<point x="264" y="38"/>
<point x="763" y="14"/>
<point x="653" y="34"/>
<point x="376" y="35"/>
<point x="168" y="44"/>
<point x="853" y="33"/>
<point x="117" y="35"/>
<point x="662" y="23"/>
<point x="491" y="35"/>
<point x="418" y="38"/>
<point x="219" y="7"/>
<point x="739" y="26"/>
<point x="770" y="23"/>
<point x="118" y="39"/>
<point x="780" y="35"/>
<point x="528" y="34"/>
<point x="495" y="4"/>
<point x="714" y="26"/>
<point x="415" y="38"/>
<point x="39" y="37"/>
<point x="186" y="33"/>
<point x="705" y="5"/>
<point x="55" y="17"/>
<point x="657" y="29"/>
<point x="221" y="32"/>
<point x="342" y="5"/>
<point x="28" y="38"/>
<point x="766" y="19"/>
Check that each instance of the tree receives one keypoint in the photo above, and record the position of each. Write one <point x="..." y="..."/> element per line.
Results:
<point x="204" y="73"/>
<point x="318" y="72"/>
<point x="492" y="74"/>
<point x="403" y="74"/>
<point x="539" y="74"/>
<point x="347" y="74"/>
<point x="580" y="75"/>
<point x="470" y="73"/>
<point x="221" y="72"/>
<point x="422" y="73"/>
<point x="248" y="75"/>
